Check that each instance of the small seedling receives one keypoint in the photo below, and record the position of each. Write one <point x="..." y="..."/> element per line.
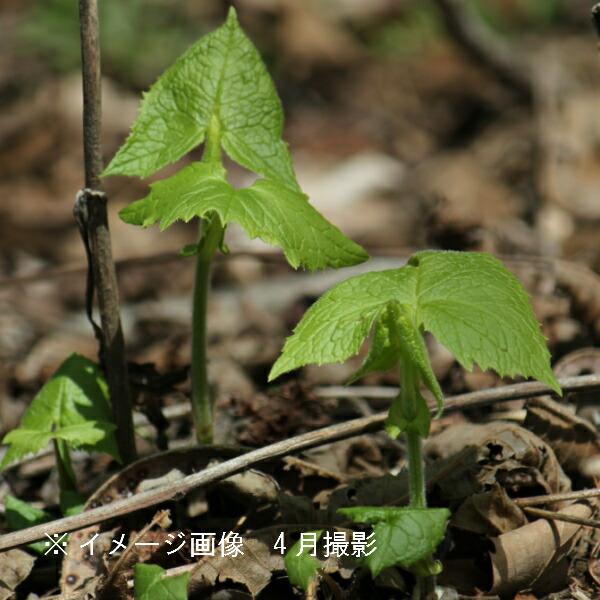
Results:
<point x="300" y="565"/>
<point x="475" y="308"/>
<point x="150" y="583"/>
<point x="72" y="411"/>
<point x="219" y="93"/>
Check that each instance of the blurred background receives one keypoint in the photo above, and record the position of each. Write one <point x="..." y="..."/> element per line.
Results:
<point x="424" y="123"/>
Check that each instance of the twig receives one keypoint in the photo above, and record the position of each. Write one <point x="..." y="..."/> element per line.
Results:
<point x="161" y="518"/>
<point x="484" y="48"/>
<point x="298" y="443"/>
<point x="90" y="211"/>
<point x="520" y="391"/>
<point x="551" y="498"/>
<point x="527" y="389"/>
<point x="556" y="516"/>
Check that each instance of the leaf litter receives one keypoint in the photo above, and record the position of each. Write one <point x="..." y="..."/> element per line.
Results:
<point x="479" y="484"/>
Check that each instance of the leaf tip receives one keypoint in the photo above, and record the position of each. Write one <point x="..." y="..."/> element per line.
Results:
<point x="274" y="373"/>
<point x="553" y="384"/>
<point x="232" y="16"/>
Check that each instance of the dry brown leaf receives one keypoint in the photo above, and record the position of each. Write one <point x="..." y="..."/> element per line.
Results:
<point x="480" y="456"/>
<point x="115" y="581"/>
<point x="573" y="439"/>
<point x="78" y="567"/>
<point x="15" y="566"/>
<point x="254" y="570"/>
<point x="489" y="513"/>
<point x="534" y="556"/>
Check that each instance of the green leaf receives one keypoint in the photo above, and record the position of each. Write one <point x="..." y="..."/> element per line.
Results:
<point x="334" y="327"/>
<point x="20" y="515"/>
<point x="469" y="301"/>
<point x="219" y="82"/>
<point x="384" y="352"/>
<point x="71" y="502"/>
<point x="301" y="567"/>
<point x="397" y="422"/>
<point x="72" y="406"/>
<point x="403" y="536"/>
<point x="397" y="335"/>
<point x="149" y="583"/>
<point x="190" y="250"/>
<point x="268" y="210"/>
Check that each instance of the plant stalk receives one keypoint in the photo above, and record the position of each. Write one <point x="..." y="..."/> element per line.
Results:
<point x="211" y="234"/>
<point x="409" y="396"/>
<point x="64" y="467"/>
<point x="409" y="381"/>
<point x="91" y="213"/>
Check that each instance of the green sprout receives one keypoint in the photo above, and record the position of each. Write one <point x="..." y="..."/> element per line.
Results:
<point x="219" y="93"/>
<point x="475" y="308"/>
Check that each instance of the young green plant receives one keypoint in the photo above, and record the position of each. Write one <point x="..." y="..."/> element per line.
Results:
<point x="219" y="93"/>
<point x="476" y="308"/>
<point x="72" y="411"/>
<point x="151" y="583"/>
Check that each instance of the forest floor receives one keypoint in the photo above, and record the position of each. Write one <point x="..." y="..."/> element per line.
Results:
<point x="423" y="149"/>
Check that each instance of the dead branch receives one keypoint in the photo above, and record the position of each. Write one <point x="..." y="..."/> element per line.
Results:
<point x="295" y="444"/>
<point x="556" y="516"/>
<point x="551" y="498"/>
<point x="91" y="214"/>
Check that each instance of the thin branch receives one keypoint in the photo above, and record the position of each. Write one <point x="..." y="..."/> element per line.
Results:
<point x="295" y="444"/>
<point x="527" y="389"/>
<point x="556" y="516"/>
<point x="551" y="498"/>
<point x="523" y="390"/>
<point x="91" y="215"/>
<point x="483" y="47"/>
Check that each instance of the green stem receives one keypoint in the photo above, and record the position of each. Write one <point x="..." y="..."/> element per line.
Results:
<point x="66" y="475"/>
<point x="210" y="236"/>
<point x="416" y="470"/>
<point x="409" y="381"/>
<point x="211" y="233"/>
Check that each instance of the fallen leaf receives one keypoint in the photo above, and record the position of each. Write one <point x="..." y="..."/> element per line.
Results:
<point x="15" y="566"/>
<point x="534" y="556"/>
<point x="573" y="439"/>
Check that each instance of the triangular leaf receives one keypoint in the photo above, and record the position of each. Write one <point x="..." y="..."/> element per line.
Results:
<point x="221" y="79"/>
<point x="150" y="583"/>
<point x="73" y="406"/>
<point x="334" y="327"/>
<point x="479" y="310"/>
<point x="268" y="210"/>
<point x="403" y="536"/>
<point x="469" y="301"/>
